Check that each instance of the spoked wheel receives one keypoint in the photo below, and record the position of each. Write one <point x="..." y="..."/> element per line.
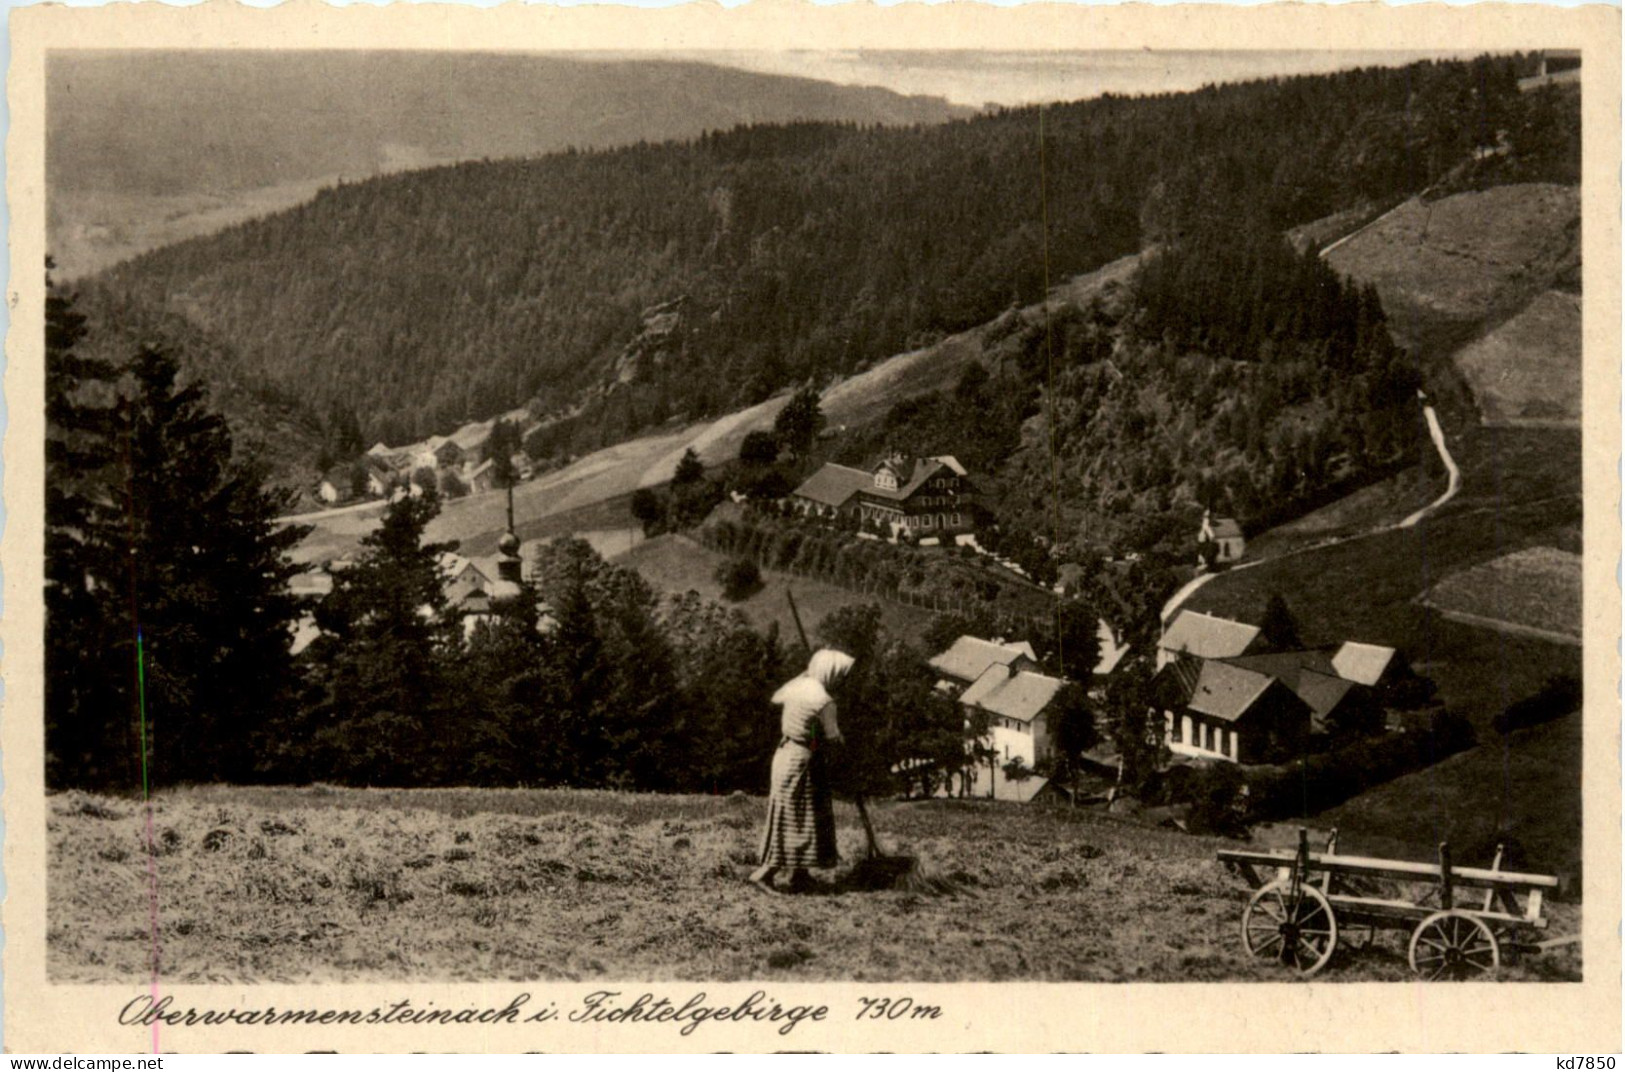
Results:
<point x="1292" y="923"/>
<point x="1454" y="945"/>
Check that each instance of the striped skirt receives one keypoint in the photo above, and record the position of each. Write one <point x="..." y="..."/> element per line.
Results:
<point x="800" y="814"/>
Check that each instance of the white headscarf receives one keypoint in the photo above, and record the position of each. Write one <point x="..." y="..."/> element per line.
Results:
<point x="808" y="694"/>
<point x="828" y="666"/>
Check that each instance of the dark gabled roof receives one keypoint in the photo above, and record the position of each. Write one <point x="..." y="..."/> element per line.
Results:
<point x="1208" y="637"/>
<point x="1308" y="673"/>
<point x="1224" y="528"/>
<point x="1322" y="692"/>
<point x="1111" y="652"/>
<point x="833" y="484"/>
<point x="1227" y="692"/>
<point x="924" y="469"/>
<point x="1021" y="696"/>
<point x="1287" y="665"/>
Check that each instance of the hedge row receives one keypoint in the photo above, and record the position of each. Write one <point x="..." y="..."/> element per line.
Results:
<point x="1308" y="785"/>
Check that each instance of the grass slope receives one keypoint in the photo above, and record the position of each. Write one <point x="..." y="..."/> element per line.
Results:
<point x="1520" y="488"/>
<point x="1500" y="791"/>
<point x="273" y="885"/>
<point x="1527" y="371"/>
<point x="1447" y="268"/>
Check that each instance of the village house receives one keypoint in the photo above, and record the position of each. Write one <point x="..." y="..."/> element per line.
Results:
<point x="439" y="452"/>
<point x="1336" y="704"/>
<point x="482" y="477"/>
<point x="1220" y="538"/>
<point x="335" y="485"/>
<point x="1001" y="682"/>
<point x="381" y="475"/>
<point x="1369" y="664"/>
<point x="1016" y="704"/>
<point x="1113" y="649"/>
<point x="1213" y="709"/>
<point x="926" y="496"/>
<point x="461" y="578"/>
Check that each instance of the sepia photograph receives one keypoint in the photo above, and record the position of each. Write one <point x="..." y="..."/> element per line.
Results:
<point x="814" y="515"/>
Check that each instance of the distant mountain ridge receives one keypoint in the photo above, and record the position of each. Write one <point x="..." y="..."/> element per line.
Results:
<point x="273" y="117"/>
<point x="144" y="148"/>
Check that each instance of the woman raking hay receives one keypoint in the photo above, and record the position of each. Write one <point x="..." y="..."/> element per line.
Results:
<point x="800" y="813"/>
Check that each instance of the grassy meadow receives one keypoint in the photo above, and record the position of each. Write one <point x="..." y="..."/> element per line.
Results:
<point x="1499" y="792"/>
<point x="321" y="884"/>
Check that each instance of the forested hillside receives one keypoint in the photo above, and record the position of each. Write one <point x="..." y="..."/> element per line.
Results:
<point x="1229" y="371"/>
<point x="800" y="251"/>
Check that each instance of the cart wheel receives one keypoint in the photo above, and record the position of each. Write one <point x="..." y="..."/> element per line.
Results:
<point x="1454" y="945"/>
<point x="1296" y="927"/>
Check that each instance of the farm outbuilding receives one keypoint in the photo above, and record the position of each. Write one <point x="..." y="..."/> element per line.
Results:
<point x="1206" y="637"/>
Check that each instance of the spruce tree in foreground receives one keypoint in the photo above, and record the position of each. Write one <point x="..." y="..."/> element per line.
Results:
<point x="90" y="723"/>
<point x="155" y="532"/>
<point x="208" y="579"/>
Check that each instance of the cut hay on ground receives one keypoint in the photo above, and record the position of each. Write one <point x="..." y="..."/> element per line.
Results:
<point x="260" y="885"/>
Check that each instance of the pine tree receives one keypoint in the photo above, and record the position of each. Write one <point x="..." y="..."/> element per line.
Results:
<point x="500" y="447"/>
<point x="90" y="720"/>
<point x="511" y="697"/>
<point x="690" y="470"/>
<point x="1071" y="726"/>
<point x="799" y="422"/>
<point x="381" y="709"/>
<point x="620" y="714"/>
<point x="207" y="579"/>
<point x="159" y="544"/>
<point x="1278" y="626"/>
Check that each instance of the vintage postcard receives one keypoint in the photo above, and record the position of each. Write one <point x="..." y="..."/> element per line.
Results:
<point x="793" y="528"/>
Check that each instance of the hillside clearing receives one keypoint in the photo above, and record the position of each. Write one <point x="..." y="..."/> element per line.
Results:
<point x="1537" y="588"/>
<point x="1527" y="371"/>
<point x="270" y="885"/>
<point x="1520" y="488"/>
<point x="1446" y="268"/>
<point x="1520" y="491"/>
<point x="675" y="564"/>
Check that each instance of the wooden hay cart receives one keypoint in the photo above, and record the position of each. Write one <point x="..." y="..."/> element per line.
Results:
<point x="1461" y="924"/>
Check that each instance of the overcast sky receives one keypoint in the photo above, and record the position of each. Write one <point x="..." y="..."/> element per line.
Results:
<point x="1012" y="78"/>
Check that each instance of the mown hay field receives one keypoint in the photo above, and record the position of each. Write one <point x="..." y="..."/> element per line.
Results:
<point x="320" y="884"/>
<point x="1528" y="369"/>
<point x="1537" y="588"/>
